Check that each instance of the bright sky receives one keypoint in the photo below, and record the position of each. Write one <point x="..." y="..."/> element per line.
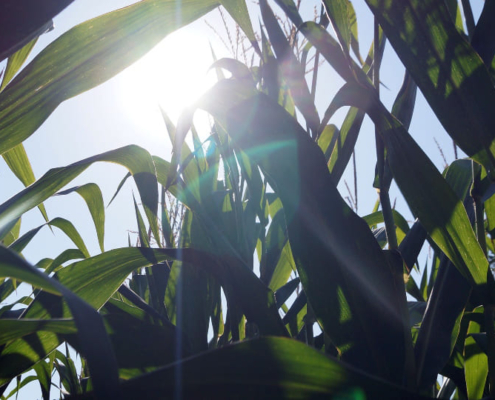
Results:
<point x="125" y="110"/>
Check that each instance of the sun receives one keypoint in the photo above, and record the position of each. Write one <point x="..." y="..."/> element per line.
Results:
<point x="173" y="76"/>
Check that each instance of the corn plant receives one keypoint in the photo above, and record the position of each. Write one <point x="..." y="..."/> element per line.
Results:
<point x="332" y="309"/>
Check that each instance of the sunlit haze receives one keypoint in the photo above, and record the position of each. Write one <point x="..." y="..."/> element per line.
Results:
<point x="173" y="75"/>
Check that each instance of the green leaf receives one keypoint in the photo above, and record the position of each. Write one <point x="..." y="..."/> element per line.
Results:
<point x="134" y="158"/>
<point x="152" y="345"/>
<point x="449" y="72"/>
<point x="338" y="14"/>
<point x="18" y="162"/>
<point x="91" y="194"/>
<point x="285" y="266"/>
<point x="86" y="56"/>
<point x="284" y="292"/>
<point x="20" y="385"/>
<point x="401" y="224"/>
<point x="354" y="31"/>
<point x="475" y="361"/>
<point x="441" y="323"/>
<point x="189" y="288"/>
<point x="66" y="255"/>
<point x="239" y="12"/>
<point x="143" y="235"/>
<point x="284" y="369"/>
<point x="69" y="229"/>
<point x="290" y="68"/>
<point x="121" y="185"/>
<point x="11" y="329"/>
<point x="191" y="170"/>
<point x="43" y="371"/>
<point x="429" y="196"/>
<point x="13" y="235"/>
<point x="26" y="21"/>
<point x="290" y="9"/>
<point x="329" y="48"/>
<point x="68" y="373"/>
<point x="344" y="145"/>
<point x="94" y="341"/>
<point x="296" y="169"/>
<point x="61" y="223"/>
<point x="15" y="62"/>
<point x="95" y="280"/>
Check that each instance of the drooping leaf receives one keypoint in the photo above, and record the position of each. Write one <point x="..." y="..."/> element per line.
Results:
<point x="91" y="194"/>
<point x="290" y="9"/>
<point x="121" y="185"/>
<point x="135" y="159"/>
<point x="66" y="255"/>
<point x="11" y="329"/>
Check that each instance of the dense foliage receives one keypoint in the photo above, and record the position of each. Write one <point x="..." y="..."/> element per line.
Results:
<point x="264" y="184"/>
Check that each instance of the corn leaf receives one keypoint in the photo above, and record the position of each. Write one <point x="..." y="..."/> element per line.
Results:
<point x="11" y="329"/>
<point x="86" y="56"/>
<point x="291" y="369"/>
<point x="15" y="62"/>
<point x="94" y="341"/>
<point x="91" y="194"/>
<point x="295" y="167"/>
<point x="449" y="72"/>
<point x="18" y="162"/>
<point x="23" y="21"/>
<point x="338" y="14"/>
<point x="483" y="40"/>
<point x="135" y="159"/>
<point x="290" y="68"/>
<point x="475" y="361"/>
<point x="429" y="196"/>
